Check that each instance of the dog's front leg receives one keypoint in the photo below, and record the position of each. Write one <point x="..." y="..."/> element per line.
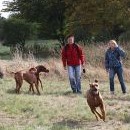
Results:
<point x="39" y="80"/>
<point x="101" y="117"/>
<point x="37" y="88"/>
<point x="31" y="88"/>
<point x="17" y="86"/>
<point x="102" y="108"/>
<point x="93" y="111"/>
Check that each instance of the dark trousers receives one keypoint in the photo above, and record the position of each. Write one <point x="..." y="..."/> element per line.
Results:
<point x="119" y="72"/>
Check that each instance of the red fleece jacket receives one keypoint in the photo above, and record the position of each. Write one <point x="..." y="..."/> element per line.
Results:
<point x="72" y="56"/>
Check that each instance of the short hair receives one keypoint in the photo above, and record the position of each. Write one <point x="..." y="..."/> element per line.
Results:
<point x="70" y="35"/>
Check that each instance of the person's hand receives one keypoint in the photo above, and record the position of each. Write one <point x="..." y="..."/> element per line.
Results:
<point x="107" y="70"/>
<point x="65" y="68"/>
<point x="84" y="71"/>
<point x="83" y="66"/>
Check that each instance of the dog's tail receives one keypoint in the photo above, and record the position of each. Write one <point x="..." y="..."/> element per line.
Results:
<point x="96" y="81"/>
<point x="8" y="71"/>
<point x="12" y="72"/>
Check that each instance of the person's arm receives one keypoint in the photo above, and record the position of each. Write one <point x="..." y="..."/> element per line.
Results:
<point x="121" y="52"/>
<point x="82" y="56"/>
<point x="106" y="61"/>
<point x="64" y="59"/>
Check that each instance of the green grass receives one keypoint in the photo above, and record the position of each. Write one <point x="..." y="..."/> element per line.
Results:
<point x="57" y="108"/>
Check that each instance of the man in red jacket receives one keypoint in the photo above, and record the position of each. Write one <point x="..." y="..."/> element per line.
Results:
<point x="73" y="60"/>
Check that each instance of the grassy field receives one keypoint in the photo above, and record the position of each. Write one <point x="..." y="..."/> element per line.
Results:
<point x="57" y="108"/>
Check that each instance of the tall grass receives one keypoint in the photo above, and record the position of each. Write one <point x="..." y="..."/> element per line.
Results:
<point x="94" y="56"/>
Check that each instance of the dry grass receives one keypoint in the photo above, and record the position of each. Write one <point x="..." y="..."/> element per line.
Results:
<point x="94" y="63"/>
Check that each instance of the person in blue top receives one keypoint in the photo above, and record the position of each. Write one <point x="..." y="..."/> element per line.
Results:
<point x="113" y="64"/>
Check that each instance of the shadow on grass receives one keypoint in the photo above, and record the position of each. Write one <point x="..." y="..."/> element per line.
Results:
<point x="79" y="125"/>
<point x="11" y="91"/>
<point x="57" y="93"/>
<point x="67" y="93"/>
<point x="61" y="93"/>
<point x="122" y="97"/>
<point x="67" y="125"/>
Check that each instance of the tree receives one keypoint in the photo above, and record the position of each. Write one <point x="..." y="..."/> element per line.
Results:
<point x="83" y="18"/>
<point x="97" y="16"/>
<point x="2" y="20"/>
<point x="49" y="13"/>
<point x="17" y="31"/>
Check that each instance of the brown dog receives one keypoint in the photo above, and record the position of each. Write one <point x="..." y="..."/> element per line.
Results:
<point x="94" y="100"/>
<point x="31" y="76"/>
<point x="28" y="76"/>
<point x="39" y="68"/>
<point x="1" y="75"/>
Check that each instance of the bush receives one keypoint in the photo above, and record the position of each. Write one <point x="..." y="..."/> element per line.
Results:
<point x="43" y="48"/>
<point x="125" y="37"/>
<point x="17" y="31"/>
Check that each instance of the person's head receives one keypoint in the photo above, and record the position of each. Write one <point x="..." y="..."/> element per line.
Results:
<point x="70" y="39"/>
<point x="112" y="44"/>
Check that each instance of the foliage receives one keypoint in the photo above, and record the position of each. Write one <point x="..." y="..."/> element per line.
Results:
<point x="17" y="31"/>
<point x="43" y="48"/>
<point x="2" y="20"/>
<point x="49" y="13"/>
<point x="97" y="16"/>
<point x="125" y="37"/>
<point x="98" y="20"/>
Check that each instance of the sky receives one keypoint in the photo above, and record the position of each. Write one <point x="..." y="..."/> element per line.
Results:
<point x="4" y="14"/>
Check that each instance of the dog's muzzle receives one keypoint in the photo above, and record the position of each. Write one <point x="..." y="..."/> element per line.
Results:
<point x="95" y="91"/>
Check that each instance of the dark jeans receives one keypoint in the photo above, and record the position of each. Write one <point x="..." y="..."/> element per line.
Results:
<point x="75" y="77"/>
<point x="119" y="72"/>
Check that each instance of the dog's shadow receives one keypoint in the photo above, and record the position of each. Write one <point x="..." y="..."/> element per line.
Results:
<point x="76" y="124"/>
<point x="67" y="93"/>
<point x="62" y="93"/>
<point x="11" y="91"/>
<point x="71" y="124"/>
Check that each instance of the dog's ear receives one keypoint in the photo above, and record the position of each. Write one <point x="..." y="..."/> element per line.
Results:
<point x="90" y="85"/>
<point x="96" y="81"/>
<point x="97" y="86"/>
<point x="33" y="69"/>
